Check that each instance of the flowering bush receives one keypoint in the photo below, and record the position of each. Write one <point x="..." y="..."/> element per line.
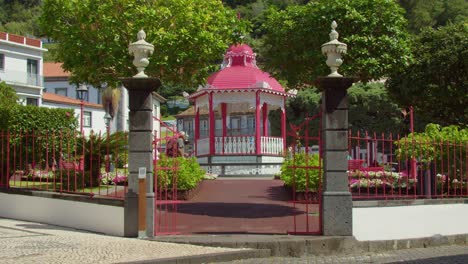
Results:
<point x="380" y="179"/>
<point x="114" y="179"/>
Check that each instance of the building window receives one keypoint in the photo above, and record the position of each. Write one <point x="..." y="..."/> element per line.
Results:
<point x="99" y="96"/>
<point x="32" y="72"/>
<point x="204" y="124"/>
<point x="250" y="122"/>
<point x="2" y="62"/>
<point x="87" y="119"/>
<point x="32" y="101"/>
<point x="61" y="91"/>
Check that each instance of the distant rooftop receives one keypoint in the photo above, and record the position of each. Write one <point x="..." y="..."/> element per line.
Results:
<point x="54" y="69"/>
<point x="60" y="99"/>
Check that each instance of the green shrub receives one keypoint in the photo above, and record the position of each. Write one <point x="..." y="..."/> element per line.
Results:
<point x="291" y="175"/>
<point x="186" y="171"/>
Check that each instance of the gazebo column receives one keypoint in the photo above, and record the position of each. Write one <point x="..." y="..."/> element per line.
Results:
<point x="257" y="123"/>
<point x="197" y="127"/>
<point x="283" y="126"/>
<point x="265" y="119"/>
<point x="211" y="125"/>
<point x="223" y="114"/>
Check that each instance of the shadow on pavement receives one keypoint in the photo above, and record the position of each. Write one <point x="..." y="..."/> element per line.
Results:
<point x="238" y="210"/>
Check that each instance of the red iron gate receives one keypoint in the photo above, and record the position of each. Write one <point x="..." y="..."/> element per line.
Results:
<point x="302" y="172"/>
<point x="165" y="180"/>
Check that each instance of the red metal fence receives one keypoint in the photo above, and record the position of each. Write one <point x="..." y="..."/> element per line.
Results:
<point x="65" y="163"/>
<point x="394" y="167"/>
<point x="302" y="174"/>
<point x="166" y="168"/>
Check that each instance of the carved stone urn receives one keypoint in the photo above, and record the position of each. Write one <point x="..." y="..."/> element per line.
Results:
<point x="333" y="50"/>
<point x="141" y="50"/>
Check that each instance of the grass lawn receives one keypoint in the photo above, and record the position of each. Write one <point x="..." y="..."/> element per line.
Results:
<point x="50" y="186"/>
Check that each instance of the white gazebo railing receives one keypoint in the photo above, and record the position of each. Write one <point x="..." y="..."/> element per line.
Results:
<point x="235" y="145"/>
<point x="203" y="146"/>
<point x="272" y="145"/>
<point x="241" y="145"/>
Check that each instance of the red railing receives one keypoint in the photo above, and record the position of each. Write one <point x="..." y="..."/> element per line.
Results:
<point x="65" y="163"/>
<point x="21" y="39"/>
<point x="394" y="167"/>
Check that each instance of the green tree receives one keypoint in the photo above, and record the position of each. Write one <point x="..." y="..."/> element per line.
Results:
<point x="434" y="13"/>
<point x="93" y="37"/>
<point x="8" y="97"/>
<point x="372" y="109"/>
<point x="436" y="83"/>
<point x="20" y="17"/>
<point x="375" y="32"/>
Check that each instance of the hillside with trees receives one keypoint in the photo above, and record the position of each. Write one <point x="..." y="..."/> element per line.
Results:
<point x="408" y="42"/>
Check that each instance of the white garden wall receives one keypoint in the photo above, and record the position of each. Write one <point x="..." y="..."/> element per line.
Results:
<point x="93" y="217"/>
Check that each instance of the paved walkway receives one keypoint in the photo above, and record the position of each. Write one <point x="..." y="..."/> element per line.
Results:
<point x="256" y="206"/>
<point x="26" y="242"/>
<point x="434" y="255"/>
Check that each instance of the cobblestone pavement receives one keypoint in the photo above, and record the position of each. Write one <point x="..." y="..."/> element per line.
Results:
<point x="26" y="242"/>
<point x="435" y="255"/>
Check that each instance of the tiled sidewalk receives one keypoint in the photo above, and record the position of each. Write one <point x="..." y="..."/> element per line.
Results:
<point x="26" y="242"/>
<point x="455" y="254"/>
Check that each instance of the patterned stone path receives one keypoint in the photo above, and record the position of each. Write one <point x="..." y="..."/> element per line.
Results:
<point x="435" y="255"/>
<point x="240" y="206"/>
<point x="26" y="242"/>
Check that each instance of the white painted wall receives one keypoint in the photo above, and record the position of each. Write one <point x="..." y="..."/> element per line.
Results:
<point x="403" y="222"/>
<point x="93" y="93"/>
<point x="80" y="215"/>
<point x="98" y="124"/>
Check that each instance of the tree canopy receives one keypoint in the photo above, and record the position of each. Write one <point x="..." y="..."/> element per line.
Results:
<point x="8" y="97"/>
<point x="20" y="17"/>
<point x="375" y="32"/>
<point x="436" y="84"/>
<point x="434" y="13"/>
<point x="189" y="37"/>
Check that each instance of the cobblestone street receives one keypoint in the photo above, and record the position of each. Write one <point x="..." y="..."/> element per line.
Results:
<point x="434" y="255"/>
<point x="26" y="242"/>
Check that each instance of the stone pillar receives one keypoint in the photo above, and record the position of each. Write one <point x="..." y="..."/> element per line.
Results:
<point x="337" y="202"/>
<point x="140" y="151"/>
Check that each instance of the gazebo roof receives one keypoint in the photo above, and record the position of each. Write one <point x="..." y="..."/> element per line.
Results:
<point x="240" y="71"/>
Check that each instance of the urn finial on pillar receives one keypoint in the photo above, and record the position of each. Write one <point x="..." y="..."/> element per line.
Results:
<point x="141" y="50"/>
<point x="333" y="50"/>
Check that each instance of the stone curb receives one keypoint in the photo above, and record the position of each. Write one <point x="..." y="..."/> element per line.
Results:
<point x="389" y="203"/>
<point x="208" y="258"/>
<point x="298" y="246"/>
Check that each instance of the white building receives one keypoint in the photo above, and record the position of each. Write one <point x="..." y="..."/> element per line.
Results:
<point x="21" y="66"/>
<point x="56" y="81"/>
<point x="93" y="114"/>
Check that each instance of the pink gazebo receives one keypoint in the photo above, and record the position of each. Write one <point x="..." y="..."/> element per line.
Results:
<point x="240" y="86"/>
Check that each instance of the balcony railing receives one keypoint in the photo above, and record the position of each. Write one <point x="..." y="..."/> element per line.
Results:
<point x="21" y="78"/>
<point x="235" y="145"/>
<point x="241" y="145"/>
<point x="272" y="145"/>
